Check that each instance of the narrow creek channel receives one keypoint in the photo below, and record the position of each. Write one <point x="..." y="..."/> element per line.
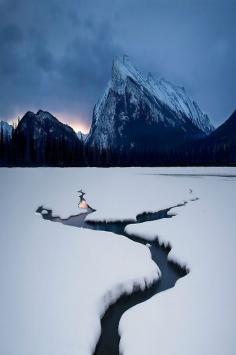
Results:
<point x="108" y="343"/>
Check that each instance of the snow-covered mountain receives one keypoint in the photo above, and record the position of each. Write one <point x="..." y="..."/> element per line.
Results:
<point x="5" y="131"/>
<point x="177" y="99"/>
<point x="140" y="113"/>
<point x="43" y="138"/>
<point x="43" y="124"/>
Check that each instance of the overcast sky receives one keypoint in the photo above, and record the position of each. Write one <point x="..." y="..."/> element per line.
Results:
<point x="56" y="55"/>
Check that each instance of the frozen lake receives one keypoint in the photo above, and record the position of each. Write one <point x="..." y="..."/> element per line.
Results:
<point x="170" y="272"/>
<point x="58" y="281"/>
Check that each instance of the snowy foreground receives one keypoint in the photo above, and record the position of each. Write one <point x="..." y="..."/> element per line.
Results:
<point x="57" y="280"/>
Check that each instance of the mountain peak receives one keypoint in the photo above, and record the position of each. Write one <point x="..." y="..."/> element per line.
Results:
<point x="123" y="63"/>
<point x="135" y="108"/>
<point x="123" y="68"/>
<point x="172" y="95"/>
<point x="44" y="115"/>
<point x="40" y="112"/>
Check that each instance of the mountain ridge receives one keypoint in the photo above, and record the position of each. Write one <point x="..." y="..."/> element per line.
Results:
<point x="130" y="97"/>
<point x="218" y="148"/>
<point x="138" y="121"/>
<point x="42" y="139"/>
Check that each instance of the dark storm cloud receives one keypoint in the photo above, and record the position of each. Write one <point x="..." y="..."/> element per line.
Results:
<point x="57" y="55"/>
<point x="53" y="57"/>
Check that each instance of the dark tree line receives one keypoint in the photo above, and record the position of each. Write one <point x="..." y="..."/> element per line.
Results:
<point x="190" y="154"/>
<point x="24" y="150"/>
<point x="5" y="148"/>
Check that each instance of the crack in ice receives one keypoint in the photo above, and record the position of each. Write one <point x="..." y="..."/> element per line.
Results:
<point x="170" y="271"/>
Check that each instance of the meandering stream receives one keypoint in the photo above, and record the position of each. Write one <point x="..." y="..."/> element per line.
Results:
<point x="109" y="340"/>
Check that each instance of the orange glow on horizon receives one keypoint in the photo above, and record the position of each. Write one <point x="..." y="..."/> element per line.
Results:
<point x="14" y="121"/>
<point x="78" y="127"/>
<point x="74" y="122"/>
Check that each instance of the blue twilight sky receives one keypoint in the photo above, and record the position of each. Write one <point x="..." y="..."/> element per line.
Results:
<point x="56" y="55"/>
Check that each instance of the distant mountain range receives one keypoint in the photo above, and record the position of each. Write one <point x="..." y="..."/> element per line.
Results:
<point x="138" y="121"/>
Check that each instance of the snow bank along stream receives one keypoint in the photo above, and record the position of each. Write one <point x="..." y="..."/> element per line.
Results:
<point x="170" y="272"/>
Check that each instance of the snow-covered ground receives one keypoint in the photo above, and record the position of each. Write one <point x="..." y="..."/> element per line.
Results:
<point x="57" y="280"/>
<point x="198" y="316"/>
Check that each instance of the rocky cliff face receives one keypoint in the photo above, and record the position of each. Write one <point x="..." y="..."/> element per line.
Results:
<point x="144" y="114"/>
<point x="42" y="138"/>
<point x="43" y="124"/>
